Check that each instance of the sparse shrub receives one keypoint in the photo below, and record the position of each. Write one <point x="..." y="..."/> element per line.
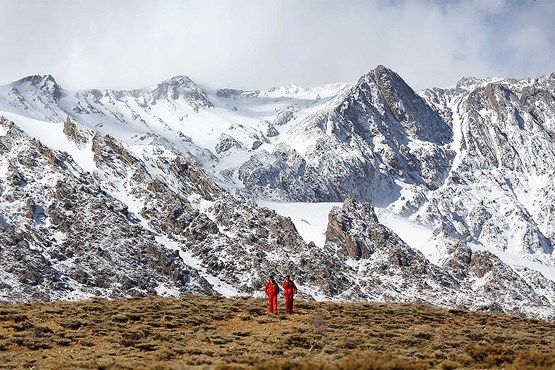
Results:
<point x="74" y="325"/>
<point x="476" y="336"/>
<point x="40" y="331"/>
<point x="148" y="346"/>
<point x="242" y="333"/>
<point x="165" y="354"/>
<point x="318" y="323"/>
<point x="134" y="316"/>
<point x="36" y="344"/>
<point x="346" y="343"/>
<point x="229" y="367"/>
<point x="408" y="342"/>
<point x="120" y="318"/>
<point x="422" y="335"/>
<point x="450" y="365"/>
<point x="18" y="318"/>
<point x="377" y="361"/>
<point x="63" y="342"/>
<point x="299" y="341"/>
<point x="129" y="339"/>
<point x="282" y="364"/>
<point x="22" y="326"/>
<point x="533" y="361"/>
<point x="257" y="311"/>
<point x="491" y="355"/>
<point x="220" y="339"/>
<point x="172" y="324"/>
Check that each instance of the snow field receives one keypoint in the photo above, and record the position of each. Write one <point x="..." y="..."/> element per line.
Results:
<point x="51" y="135"/>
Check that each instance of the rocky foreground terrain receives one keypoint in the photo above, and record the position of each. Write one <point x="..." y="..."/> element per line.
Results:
<point x="153" y="191"/>
<point x="218" y="333"/>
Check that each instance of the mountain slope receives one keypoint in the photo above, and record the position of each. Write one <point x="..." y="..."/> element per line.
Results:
<point x="151" y="190"/>
<point x="499" y="190"/>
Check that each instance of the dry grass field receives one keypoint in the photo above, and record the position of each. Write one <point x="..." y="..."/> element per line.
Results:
<point x="237" y="333"/>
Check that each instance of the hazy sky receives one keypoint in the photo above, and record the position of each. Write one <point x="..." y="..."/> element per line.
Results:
<point x="259" y="43"/>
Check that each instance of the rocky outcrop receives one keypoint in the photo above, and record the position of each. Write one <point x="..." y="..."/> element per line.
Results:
<point x="359" y="232"/>
<point x="73" y="133"/>
<point x="495" y="285"/>
<point x="226" y="143"/>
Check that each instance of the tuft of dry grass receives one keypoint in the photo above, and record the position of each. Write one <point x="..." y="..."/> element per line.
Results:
<point x="237" y="333"/>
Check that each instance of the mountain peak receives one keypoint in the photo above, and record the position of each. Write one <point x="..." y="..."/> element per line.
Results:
<point x="380" y="68"/>
<point x="45" y="83"/>
<point x="383" y="73"/>
<point x="383" y="77"/>
<point x="392" y="97"/>
<point x="36" y="80"/>
<point x="179" y="80"/>
<point x="182" y="86"/>
<point x="473" y="82"/>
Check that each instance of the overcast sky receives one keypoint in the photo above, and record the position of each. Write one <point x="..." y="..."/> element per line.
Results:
<point x="258" y="43"/>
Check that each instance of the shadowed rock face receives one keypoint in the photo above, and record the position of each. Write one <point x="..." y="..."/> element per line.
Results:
<point x="417" y="118"/>
<point x="72" y="132"/>
<point x="360" y="235"/>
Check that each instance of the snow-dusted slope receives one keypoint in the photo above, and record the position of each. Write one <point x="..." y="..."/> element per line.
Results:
<point x="498" y="191"/>
<point x="462" y="178"/>
<point x="176" y="112"/>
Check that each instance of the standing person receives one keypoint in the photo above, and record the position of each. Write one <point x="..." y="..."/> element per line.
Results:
<point x="289" y="288"/>
<point x="272" y="289"/>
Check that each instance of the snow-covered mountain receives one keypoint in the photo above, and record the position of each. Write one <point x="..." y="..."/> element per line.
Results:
<point x="152" y="191"/>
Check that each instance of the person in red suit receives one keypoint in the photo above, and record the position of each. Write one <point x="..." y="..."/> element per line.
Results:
<point x="272" y="289"/>
<point x="289" y="288"/>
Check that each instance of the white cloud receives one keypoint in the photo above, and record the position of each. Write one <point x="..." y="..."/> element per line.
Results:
<point x="260" y="43"/>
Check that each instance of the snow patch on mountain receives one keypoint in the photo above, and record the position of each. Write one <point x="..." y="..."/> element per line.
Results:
<point x="51" y="134"/>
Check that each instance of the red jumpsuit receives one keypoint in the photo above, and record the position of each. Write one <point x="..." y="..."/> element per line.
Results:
<point x="289" y="288"/>
<point x="272" y="289"/>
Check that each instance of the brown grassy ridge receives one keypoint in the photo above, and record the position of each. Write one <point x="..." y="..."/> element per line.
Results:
<point x="237" y="333"/>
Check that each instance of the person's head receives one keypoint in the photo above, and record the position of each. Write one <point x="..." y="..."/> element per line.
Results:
<point x="271" y="277"/>
<point x="287" y="278"/>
